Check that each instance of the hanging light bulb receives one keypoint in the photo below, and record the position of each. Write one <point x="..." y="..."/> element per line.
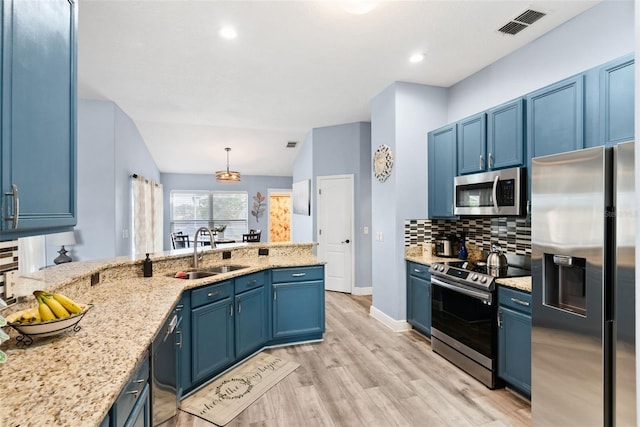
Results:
<point x="227" y="175"/>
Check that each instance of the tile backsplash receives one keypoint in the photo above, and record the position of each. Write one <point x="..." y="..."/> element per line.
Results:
<point x="512" y="233"/>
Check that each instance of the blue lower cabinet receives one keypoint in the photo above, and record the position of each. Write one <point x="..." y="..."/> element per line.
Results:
<point x="250" y="325"/>
<point x="133" y="399"/>
<point x="141" y="413"/>
<point x="298" y="310"/>
<point x="212" y="339"/>
<point x="514" y="339"/>
<point x="419" y="297"/>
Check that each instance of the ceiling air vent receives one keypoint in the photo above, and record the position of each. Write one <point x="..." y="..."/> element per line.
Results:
<point x="518" y="24"/>
<point x="529" y="17"/>
<point x="512" y="28"/>
<point x="292" y="144"/>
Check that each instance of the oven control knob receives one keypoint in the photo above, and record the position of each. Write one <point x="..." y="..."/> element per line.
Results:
<point x="483" y="280"/>
<point x="442" y="267"/>
<point x="474" y="276"/>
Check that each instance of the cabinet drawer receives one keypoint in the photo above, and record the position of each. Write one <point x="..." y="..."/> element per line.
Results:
<point x="250" y="281"/>
<point x="419" y="270"/>
<point x="514" y="299"/>
<point x="297" y="274"/>
<point x="211" y="293"/>
<point x="132" y="390"/>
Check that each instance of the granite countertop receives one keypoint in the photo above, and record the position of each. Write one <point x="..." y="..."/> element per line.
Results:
<point x="74" y="378"/>
<point x="521" y="283"/>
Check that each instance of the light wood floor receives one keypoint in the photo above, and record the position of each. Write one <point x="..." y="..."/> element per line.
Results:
<point x="364" y="374"/>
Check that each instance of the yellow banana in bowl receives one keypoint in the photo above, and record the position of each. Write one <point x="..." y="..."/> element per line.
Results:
<point x="71" y="306"/>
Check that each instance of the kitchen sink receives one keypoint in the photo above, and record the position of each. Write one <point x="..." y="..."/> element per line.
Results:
<point x="193" y="275"/>
<point x="225" y="268"/>
<point x="206" y="272"/>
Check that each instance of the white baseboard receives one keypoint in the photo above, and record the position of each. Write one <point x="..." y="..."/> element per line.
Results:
<point x="393" y="324"/>
<point x="362" y="291"/>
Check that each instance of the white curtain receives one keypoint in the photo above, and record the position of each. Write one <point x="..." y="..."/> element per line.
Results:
<point x="147" y="216"/>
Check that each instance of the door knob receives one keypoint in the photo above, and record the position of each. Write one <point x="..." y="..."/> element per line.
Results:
<point x="345" y="241"/>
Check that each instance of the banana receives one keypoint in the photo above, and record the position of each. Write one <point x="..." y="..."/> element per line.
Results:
<point x="31" y="315"/>
<point x="44" y="310"/>
<point x="55" y="306"/>
<point x="71" y="306"/>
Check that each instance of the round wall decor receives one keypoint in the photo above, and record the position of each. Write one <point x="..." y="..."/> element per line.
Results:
<point x="382" y="162"/>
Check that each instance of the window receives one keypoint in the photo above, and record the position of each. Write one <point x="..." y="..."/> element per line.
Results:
<point x="191" y="210"/>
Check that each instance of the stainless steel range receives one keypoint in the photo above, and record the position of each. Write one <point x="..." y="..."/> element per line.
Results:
<point x="464" y="328"/>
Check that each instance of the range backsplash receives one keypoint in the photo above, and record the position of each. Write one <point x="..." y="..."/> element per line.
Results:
<point x="512" y="233"/>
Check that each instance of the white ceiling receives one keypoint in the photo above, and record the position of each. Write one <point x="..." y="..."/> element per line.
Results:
<point x="294" y="66"/>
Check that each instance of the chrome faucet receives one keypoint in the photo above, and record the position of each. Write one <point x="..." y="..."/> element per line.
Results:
<point x="197" y="257"/>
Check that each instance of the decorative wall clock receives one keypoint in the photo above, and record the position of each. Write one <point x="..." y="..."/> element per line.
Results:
<point x="382" y="162"/>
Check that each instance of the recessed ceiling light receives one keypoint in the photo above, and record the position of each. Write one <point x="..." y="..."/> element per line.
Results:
<point x="228" y="33"/>
<point x="416" y="57"/>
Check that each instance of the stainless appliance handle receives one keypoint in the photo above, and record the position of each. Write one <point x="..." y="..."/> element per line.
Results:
<point x="495" y="192"/>
<point x="485" y="296"/>
<point x="16" y="206"/>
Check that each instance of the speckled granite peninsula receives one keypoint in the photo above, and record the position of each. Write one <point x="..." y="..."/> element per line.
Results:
<point x="74" y="378"/>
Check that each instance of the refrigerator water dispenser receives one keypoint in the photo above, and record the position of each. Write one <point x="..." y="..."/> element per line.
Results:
<point x="564" y="284"/>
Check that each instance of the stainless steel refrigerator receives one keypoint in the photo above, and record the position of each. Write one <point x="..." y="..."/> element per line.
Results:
<point x="583" y="288"/>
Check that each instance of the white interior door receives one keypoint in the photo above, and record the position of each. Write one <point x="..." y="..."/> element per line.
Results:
<point x="335" y="231"/>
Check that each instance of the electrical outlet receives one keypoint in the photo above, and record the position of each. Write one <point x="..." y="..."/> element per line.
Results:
<point x="365" y="230"/>
<point x="263" y="251"/>
<point x="226" y="254"/>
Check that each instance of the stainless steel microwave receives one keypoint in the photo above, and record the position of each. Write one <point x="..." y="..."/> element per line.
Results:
<point x="500" y="192"/>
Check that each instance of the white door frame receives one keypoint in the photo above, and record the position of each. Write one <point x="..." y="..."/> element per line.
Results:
<point x="279" y="191"/>
<point x="349" y="177"/>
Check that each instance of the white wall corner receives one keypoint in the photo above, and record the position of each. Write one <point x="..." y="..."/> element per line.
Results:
<point x="393" y="324"/>
<point x="357" y="290"/>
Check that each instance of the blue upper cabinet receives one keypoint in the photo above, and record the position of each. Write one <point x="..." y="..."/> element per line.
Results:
<point x="472" y="144"/>
<point x="505" y="135"/>
<point x="617" y="90"/>
<point x="442" y="169"/>
<point x="38" y="137"/>
<point x="555" y="118"/>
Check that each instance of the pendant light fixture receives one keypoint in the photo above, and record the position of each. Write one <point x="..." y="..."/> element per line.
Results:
<point x="227" y="176"/>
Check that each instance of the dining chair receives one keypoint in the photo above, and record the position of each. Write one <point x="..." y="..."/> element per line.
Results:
<point x="252" y="236"/>
<point x="179" y="240"/>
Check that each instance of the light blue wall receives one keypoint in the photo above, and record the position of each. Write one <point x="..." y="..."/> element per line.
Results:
<point x="344" y="150"/>
<point x="600" y="34"/>
<point x="303" y="226"/>
<point x="110" y="149"/>
<point x="401" y="116"/>
<point x="250" y="184"/>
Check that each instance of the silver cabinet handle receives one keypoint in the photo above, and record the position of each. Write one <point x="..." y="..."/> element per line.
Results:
<point x="134" y="393"/>
<point x="298" y="274"/>
<point x="275" y="295"/>
<point x="239" y="307"/>
<point x="231" y="310"/>
<point x="179" y="338"/>
<point x="519" y="301"/>
<point x="16" y="206"/>
<point x="481" y="164"/>
<point x="213" y="294"/>
<point x="490" y="165"/>
<point x="416" y="270"/>
<point x="499" y="318"/>
<point x="251" y="282"/>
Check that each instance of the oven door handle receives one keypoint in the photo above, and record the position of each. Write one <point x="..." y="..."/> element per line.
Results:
<point x="484" y="296"/>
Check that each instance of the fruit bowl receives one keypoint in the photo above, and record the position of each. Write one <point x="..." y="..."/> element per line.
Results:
<point x="47" y="328"/>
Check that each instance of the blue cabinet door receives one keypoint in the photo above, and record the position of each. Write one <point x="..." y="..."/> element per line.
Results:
<point x="555" y="116"/>
<point x="419" y="303"/>
<point x="298" y="309"/>
<point x="183" y="333"/>
<point x="617" y="88"/>
<point x="212" y="340"/>
<point x="514" y="349"/>
<point x="141" y="413"/>
<point x="505" y="135"/>
<point x="38" y="115"/>
<point x="472" y="144"/>
<point x="442" y="170"/>
<point x="250" y="325"/>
